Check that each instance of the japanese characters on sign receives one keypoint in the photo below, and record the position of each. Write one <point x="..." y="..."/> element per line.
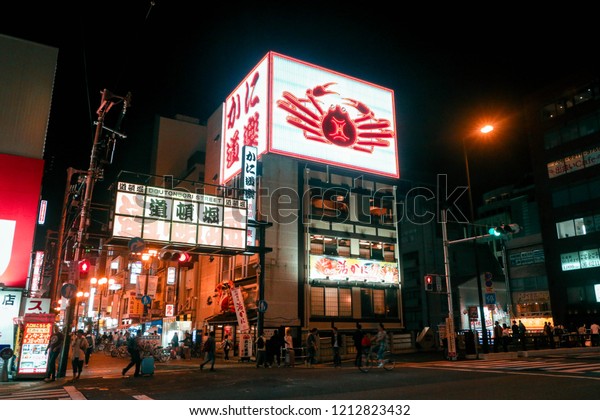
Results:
<point x="176" y="216"/>
<point x="249" y="168"/>
<point x="36" y="337"/>
<point x="340" y="268"/>
<point x="10" y="303"/>
<point x="240" y="310"/>
<point x="245" y="119"/>
<point x="37" y="306"/>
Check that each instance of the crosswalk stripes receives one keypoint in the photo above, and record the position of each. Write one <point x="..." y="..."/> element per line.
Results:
<point x="557" y="366"/>
<point x="37" y="394"/>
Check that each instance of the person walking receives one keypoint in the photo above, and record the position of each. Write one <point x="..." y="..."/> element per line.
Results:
<point x="274" y="349"/>
<point x="91" y="345"/>
<point x="497" y="336"/>
<point x="548" y="331"/>
<point x="133" y="347"/>
<point x="311" y="347"/>
<point x="261" y="351"/>
<point x="226" y="345"/>
<point x="336" y="344"/>
<point x="54" y="347"/>
<point x="522" y="337"/>
<point x="210" y="347"/>
<point x="515" y="334"/>
<point x="175" y="346"/>
<point x="357" y="338"/>
<point x="78" y="348"/>
<point x="290" y="354"/>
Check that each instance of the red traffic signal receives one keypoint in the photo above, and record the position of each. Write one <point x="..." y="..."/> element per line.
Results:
<point x="429" y="280"/>
<point x="84" y="269"/>
<point x="185" y="260"/>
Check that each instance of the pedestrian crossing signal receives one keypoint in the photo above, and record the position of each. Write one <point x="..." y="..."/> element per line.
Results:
<point x="429" y="280"/>
<point x="504" y="229"/>
<point x="84" y="269"/>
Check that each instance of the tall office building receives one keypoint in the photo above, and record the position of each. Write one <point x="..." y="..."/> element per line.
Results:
<point x="564" y="129"/>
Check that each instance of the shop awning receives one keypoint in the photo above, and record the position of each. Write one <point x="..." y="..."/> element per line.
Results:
<point x="230" y="317"/>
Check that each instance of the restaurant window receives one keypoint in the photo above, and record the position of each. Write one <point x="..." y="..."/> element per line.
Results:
<point x="379" y="303"/>
<point x="331" y="302"/>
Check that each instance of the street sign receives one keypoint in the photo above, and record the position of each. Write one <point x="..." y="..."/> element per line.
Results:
<point x="489" y="284"/>
<point x="146" y="300"/>
<point x="136" y="245"/>
<point x="68" y="290"/>
<point x="490" y="298"/>
<point x="262" y="306"/>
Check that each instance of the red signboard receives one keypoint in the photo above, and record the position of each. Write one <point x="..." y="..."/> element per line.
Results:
<point x="36" y="337"/>
<point x="20" y="184"/>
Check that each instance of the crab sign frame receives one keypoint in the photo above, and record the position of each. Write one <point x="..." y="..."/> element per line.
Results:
<point x="335" y="126"/>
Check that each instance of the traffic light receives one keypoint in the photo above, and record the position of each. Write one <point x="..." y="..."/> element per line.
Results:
<point x="84" y="269"/>
<point x="185" y="260"/>
<point x="429" y="280"/>
<point x="504" y="229"/>
<point x="170" y="255"/>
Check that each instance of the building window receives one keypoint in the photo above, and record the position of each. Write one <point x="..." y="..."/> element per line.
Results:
<point x="565" y="229"/>
<point x="379" y="303"/>
<point x="330" y="302"/>
<point x="317" y="301"/>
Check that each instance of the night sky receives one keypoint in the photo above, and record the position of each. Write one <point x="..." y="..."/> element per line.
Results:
<point x="448" y="74"/>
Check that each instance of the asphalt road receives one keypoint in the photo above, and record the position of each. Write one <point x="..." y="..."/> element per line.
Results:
<point x="547" y="376"/>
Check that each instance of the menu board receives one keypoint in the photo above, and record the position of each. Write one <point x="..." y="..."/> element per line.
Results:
<point x="33" y="359"/>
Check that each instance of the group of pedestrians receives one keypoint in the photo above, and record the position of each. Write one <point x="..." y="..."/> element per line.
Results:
<point x="503" y="335"/>
<point x="81" y="348"/>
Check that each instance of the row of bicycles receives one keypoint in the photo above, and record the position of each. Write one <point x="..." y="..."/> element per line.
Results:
<point x="160" y="354"/>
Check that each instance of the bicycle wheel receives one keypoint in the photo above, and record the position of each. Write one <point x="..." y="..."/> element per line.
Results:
<point x="108" y="349"/>
<point x="388" y="362"/>
<point x="366" y="363"/>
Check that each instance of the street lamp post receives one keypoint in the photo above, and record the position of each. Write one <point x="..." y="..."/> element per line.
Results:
<point x="100" y="282"/>
<point x="484" y="337"/>
<point x="79" y="295"/>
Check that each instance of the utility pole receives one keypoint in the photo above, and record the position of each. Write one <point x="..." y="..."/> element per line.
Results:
<point x="92" y="174"/>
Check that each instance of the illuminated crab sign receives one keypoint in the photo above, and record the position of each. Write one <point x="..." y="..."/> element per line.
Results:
<point x="335" y="126"/>
<point x="292" y="108"/>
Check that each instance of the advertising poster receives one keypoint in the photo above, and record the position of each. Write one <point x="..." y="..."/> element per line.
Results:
<point x="33" y="360"/>
<point x="20" y="185"/>
<point x="10" y="304"/>
<point x="246" y="346"/>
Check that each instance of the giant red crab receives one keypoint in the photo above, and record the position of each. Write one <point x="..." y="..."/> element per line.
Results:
<point x="335" y="126"/>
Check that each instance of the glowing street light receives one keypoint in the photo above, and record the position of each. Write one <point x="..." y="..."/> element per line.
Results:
<point x="101" y="282"/>
<point x="486" y="129"/>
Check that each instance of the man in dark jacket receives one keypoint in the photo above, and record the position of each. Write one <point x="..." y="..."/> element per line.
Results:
<point x="54" y="347"/>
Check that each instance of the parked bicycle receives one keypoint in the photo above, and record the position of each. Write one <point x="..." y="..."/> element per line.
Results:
<point x="369" y="360"/>
<point x="159" y="353"/>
